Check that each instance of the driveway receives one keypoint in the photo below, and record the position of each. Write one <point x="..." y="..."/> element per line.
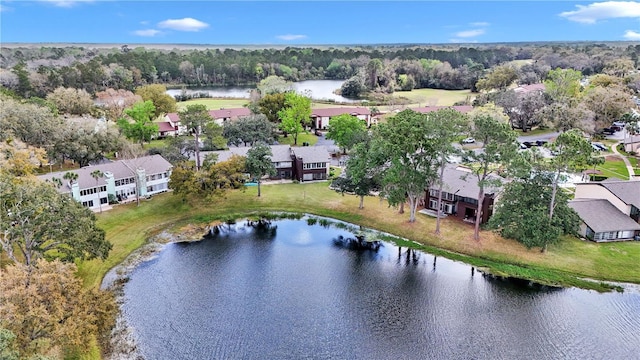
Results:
<point x="333" y="149"/>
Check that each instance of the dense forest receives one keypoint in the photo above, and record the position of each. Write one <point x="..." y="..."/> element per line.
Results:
<point x="32" y="71"/>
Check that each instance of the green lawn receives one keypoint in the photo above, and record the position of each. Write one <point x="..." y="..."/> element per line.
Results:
<point x="311" y="138"/>
<point x="128" y="227"/>
<point x="438" y="97"/>
<point x="537" y="131"/>
<point x="614" y="167"/>
<point x="214" y="104"/>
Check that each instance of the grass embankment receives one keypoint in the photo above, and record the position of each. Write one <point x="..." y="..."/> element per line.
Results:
<point x="128" y="227"/>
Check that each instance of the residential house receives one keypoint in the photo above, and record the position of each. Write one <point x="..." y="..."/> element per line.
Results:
<point x="609" y="210"/>
<point x="281" y="158"/>
<point x="304" y="163"/>
<point x="460" y="194"/>
<point x="172" y="125"/>
<point x="122" y="180"/>
<point x="320" y="117"/>
<point x="223" y="115"/>
<point x="311" y="163"/>
<point x="524" y="89"/>
<point x="632" y="143"/>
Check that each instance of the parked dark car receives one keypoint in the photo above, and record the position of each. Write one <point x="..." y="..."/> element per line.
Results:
<point x="608" y="131"/>
<point x="528" y="144"/>
<point x="541" y="142"/>
<point x="615" y="128"/>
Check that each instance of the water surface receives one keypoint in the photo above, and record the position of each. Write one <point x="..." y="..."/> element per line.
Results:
<point x="291" y="293"/>
<point x="318" y="90"/>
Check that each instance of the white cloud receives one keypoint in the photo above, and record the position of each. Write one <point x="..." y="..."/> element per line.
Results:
<point x="145" y="22"/>
<point x="631" y="35"/>
<point x="480" y="23"/>
<point x="66" y="3"/>
<point x="147" y="32"/>
<point x="186" y="24"/>
<point x="289" y="37"/>
<point x="590" y="14"/>
<point x="469" y="33"/>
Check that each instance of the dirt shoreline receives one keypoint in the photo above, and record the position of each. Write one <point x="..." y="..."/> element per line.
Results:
<point x="123" y="344"/>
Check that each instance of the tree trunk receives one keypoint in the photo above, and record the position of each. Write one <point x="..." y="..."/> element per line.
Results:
<point x="476" y="230"/>
<point x="413" y="204"/>
<point x="401" y="211"/>
<point x="259" y="187"/>
<point x="197" y="151"/>
<point x="361" y="202"/>
<point x="554" y="191"/>
<point x="439" y="200"/>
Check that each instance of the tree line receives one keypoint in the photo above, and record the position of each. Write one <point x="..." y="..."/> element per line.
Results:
<point x="36" y="72"/>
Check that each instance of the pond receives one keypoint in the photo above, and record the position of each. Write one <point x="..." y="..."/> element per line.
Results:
<point x="319" y="90"/>
<point x="293" y="291"/>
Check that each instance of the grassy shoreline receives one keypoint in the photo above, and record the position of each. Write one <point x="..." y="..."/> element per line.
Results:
<point x="566" y="264"/>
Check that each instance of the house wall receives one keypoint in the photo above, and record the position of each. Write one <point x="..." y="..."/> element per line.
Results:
<point x="461" y="209"/>
<point x="596" y="191"/>
<point x="632" y="147"/>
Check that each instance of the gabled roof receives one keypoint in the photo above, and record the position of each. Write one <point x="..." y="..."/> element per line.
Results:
<point x="173" y="117"/>
<point x="165" y="126"/>
<point x="626" y="190"/>
<point x="312" y="154"/>
<point x="154" y="164"/>
<point x="601" y="216"/>
<point x="280" y="153"/>
<point x="329" y="112"/>
<point x="427" y="109"/>
<point x="461" y="181"/>
<point x="218" y="114"/>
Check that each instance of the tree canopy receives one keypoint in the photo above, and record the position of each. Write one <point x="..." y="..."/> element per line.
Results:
<point x="163" y="103"/>
<point x="142" y="128"/>
<point x="295" y="115"/>
<point x="38" y="222"/>
<point x="249" y="130"/>
<point x="346" y="130"/>
<point x="258" y="163"/>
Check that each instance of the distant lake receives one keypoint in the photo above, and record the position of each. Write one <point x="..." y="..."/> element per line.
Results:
<point x="291" y="291"/>
<point x="319" y="90"/>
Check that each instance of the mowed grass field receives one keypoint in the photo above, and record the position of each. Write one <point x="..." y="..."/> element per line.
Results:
<point x="128" y="227"/>
<point x="437" y="97"/>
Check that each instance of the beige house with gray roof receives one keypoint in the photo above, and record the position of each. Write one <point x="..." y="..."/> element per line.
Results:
<point x="610" y="210"/>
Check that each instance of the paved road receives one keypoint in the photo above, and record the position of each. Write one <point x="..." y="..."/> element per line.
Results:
<point x="534" y="138"/>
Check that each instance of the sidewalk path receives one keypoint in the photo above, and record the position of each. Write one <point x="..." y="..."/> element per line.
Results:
<point x="614" y="148"/>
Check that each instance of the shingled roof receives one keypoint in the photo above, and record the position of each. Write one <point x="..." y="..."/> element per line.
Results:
<point x="461" y="181"/>
<point x="601" y="216"/>
<point x="626" y="190"/>
<point x="154" y="164"/>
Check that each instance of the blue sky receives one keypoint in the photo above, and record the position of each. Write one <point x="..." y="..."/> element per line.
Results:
<point x="315" y="22"/>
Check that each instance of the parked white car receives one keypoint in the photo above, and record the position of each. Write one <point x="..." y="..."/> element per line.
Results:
<point x="469" y="140"/>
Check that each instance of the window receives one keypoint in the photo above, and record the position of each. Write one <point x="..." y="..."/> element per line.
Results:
<point x="433" y="192"/>
<point x="433" y="204"/>
<point x="125" y="181"/>
<point x="88" y="203"/>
